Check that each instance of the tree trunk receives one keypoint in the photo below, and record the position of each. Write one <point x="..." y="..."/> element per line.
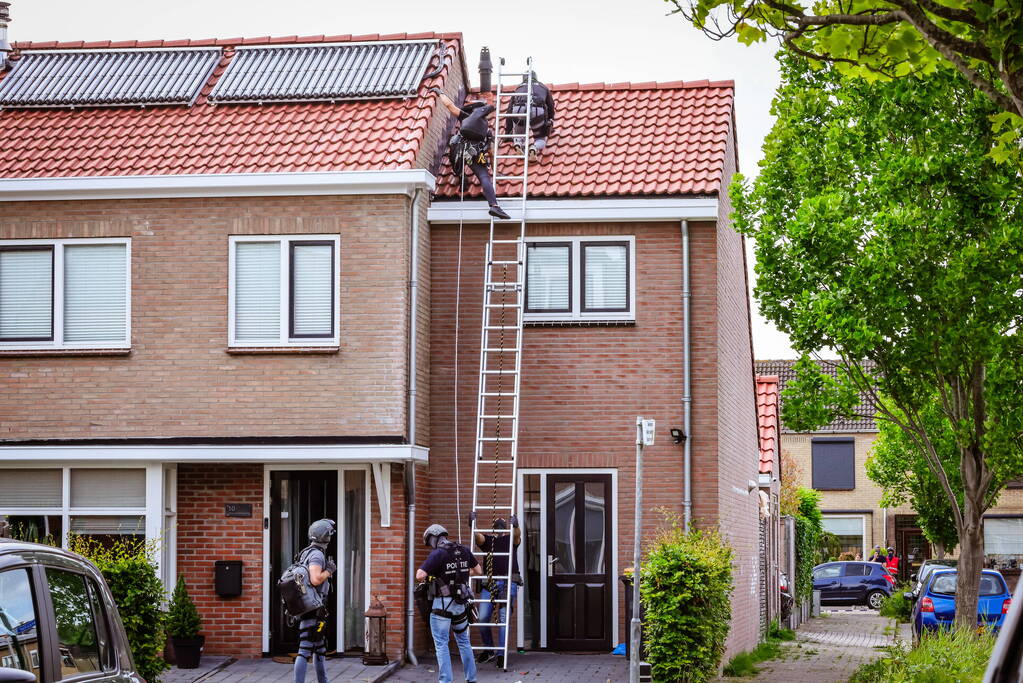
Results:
<point x="939" y="551"/>
<point x="971" y="562"/>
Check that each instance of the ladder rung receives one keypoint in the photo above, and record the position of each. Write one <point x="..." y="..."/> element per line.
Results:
<point x="502" y="439"/>
<point x="510" y="177"/>
<point x="500" y="372"/>
<point x="507" y="241"/>
<point x="499" y="393"/>
<point x="491" y="531"/>
<point x="498" y="417"/>
<point x="505" y="263"/>
<point x="507" y="136"/>
<point x="490" y="623"/>
<point x="490" y="599"/>
<point x="512" y="116"/>
<point x="510" y="156"/>
<point x="485" y="483"/>
<point x="500" y="327"/>
<point x="508" y="350"/>
<point x="496" y="462"/>
<point x="492" y="507"/>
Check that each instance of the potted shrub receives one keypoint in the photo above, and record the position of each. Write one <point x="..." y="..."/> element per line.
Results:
<point x="183" y="625"/>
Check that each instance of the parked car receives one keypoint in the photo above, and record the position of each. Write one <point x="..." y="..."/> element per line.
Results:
<point x="853" y="583"/>
<point x="924" y="573"/>
<point x="58" y="619"/>
<point x="1006" y="663"/>
<point x="936" y="606"/>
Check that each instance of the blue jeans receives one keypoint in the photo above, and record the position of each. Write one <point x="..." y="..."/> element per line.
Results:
<point x="487" y="611"/>
<point x="440" y="627"/>
<point x="311" y="645"/>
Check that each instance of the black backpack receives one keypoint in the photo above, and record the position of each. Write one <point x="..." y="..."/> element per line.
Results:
<point x="299" y="595"/>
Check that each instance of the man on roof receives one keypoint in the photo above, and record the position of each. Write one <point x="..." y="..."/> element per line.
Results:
<point x="541" y="116"/>
<point x="471" y="145"/>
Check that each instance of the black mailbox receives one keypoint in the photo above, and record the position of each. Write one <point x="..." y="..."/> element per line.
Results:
<point x="228" y="579"/>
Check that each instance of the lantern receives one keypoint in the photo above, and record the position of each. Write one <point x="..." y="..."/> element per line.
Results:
<point x="376" y="634"/>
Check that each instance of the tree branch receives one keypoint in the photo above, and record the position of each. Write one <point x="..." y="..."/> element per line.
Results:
<point x="963" y="16"/>
<point x="811" y="20"/>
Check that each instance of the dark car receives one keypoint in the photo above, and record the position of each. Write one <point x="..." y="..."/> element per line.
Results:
<point x="853" y="583"/>
<point x="924" y="573"/>
<point x="58" y="620"/>
<point x="936" y="607"/>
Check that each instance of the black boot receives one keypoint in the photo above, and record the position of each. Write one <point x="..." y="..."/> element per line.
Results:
<point x="497" y="212"/>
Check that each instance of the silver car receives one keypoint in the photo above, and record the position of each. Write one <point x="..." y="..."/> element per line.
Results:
<point x="58" y="620"/>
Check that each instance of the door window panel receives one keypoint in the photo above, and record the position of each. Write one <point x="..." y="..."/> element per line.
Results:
<point x="354" y="591"/>
<point x="594" y="528"/>
<point x="76" y="624"/>
<point x="19" y="633"/>
<point x="564" y="527"/>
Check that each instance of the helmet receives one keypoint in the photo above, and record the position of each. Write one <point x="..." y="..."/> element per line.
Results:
<point x="499" y="523"/>
<point x="433" y="532"/>
<point x="321" y="530"/>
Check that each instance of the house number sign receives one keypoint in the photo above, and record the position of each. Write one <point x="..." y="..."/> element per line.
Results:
<point x="238" y="510"/>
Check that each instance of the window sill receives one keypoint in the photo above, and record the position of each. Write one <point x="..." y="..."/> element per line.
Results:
<point x="577" y="322"/>
<point x="21" y="353"/>
<point x="265" y="350"/>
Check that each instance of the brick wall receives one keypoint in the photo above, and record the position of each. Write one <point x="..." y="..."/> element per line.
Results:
<point x="179" y="379"/>
<point x="737" y="437"/>
<point x="582" y="387"/>
<point x="232" y="626"/>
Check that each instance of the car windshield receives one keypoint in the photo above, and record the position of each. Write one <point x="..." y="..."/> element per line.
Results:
<point x="945" y="584"/>
<point x="930" y="569"/>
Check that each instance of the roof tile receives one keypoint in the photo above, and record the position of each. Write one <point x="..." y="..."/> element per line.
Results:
<point x="768" y="424"/>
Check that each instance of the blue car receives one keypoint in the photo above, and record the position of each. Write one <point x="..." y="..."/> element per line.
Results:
<point x="853" y="583"/>
<point x="936" y="606"/>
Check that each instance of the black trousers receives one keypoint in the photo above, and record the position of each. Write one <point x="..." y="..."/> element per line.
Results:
<point x="483" y="175"/>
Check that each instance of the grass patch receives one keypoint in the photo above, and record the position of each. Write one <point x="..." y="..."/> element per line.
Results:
<point x="897" y="606"/>
<point x="744" y="664"/>
<point x="776" y="632"/>
<point x="944" y="657"/>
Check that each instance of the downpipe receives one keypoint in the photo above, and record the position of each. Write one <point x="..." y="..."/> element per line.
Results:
<point x="410" y="466"/>
<point x="687" y="397"/>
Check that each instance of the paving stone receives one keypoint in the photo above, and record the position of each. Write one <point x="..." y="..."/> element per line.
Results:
<point x="531" y="666"/>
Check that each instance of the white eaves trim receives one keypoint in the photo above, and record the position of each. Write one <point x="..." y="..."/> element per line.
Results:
<point x="217" y="453"/>
<point x="573" y="210"/>
<point x="217" y="185"/>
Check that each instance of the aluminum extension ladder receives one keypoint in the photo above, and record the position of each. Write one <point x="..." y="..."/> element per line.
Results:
<point x="497" y="417"/>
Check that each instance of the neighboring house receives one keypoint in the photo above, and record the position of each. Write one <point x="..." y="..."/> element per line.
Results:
<point x="832" y="460"/>
<point x="228" y="308"/>
<point x="772" y="550"/>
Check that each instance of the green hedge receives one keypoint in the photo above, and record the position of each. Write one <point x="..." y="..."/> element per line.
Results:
<point x="685" y="587"/>
<point x="138" y="592"/>
<point x="897" y="605"/>
<point x="809" y="532"/>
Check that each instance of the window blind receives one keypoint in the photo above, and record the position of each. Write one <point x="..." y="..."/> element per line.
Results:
<point x="547" y="273"/>
<point x="1003" y="536"/>
<point x="606" y="280"/>
<point x="26" y="294"/>
<point x="844" y="526"/>
<point x="119" y="525"/>
<point x="95" y="293"/>
<point x="257" y="291"/>
<point x="312" y="279"/>
<point x="833" y="464"/>
<point x="34" y="488"/>
<point x="108" y="488"/>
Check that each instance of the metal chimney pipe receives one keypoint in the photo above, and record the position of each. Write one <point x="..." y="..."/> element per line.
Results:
<point x="486" y="68"/>
<point x="5" y="47"/>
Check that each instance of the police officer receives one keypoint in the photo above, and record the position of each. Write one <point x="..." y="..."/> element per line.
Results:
<point x="448" y="568"/>
<point x="473" y="143"/>
<point x="496" y="589"/>
<point x="312" y="627"/>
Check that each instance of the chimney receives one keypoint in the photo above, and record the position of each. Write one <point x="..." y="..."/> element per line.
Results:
<point x="486" y="68"/>
<point x="5" y="47"/>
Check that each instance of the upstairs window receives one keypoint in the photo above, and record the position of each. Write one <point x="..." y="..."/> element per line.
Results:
<point x="283" y="291"/>
<point x="580" y="279"/>
<point x="834" y="464"/>
<point x="65" y="294"/>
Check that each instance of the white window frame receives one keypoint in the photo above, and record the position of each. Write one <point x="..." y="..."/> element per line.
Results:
<point x="58" y="295"/>
<point x="285" y="340"/>
<point x="863" y="527"/>
<point x="576" y="276"/>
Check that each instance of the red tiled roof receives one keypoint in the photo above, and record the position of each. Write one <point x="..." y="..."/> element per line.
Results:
<point x="768" y="420"/>
<point x="623" y="139"/>
<point x="234" y="138"/>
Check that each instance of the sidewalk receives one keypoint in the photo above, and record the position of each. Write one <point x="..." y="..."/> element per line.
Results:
<point x="531" y="666"/>
<point x="224" y="670"/>
<point x="830" y="648"/>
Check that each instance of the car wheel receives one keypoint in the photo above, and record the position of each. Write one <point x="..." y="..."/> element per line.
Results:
<point x="874" y="599"/>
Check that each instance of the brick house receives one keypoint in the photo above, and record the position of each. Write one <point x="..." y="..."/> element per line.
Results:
<point x="771" y="533"/>
<point x="832" y="460"/>
<point x="227" y="308"/>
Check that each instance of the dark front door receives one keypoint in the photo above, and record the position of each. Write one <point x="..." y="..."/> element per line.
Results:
<point x="579" y="562"/>
<point x="297" y="499"/>
<point x="912" y="548"/>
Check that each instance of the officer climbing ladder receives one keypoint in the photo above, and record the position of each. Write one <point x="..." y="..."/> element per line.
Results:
<point x="497" y="422"/>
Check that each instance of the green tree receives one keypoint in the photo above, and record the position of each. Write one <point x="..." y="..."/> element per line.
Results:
<point x="899" y="467"/>
<point x="885" y="234"/>
<point x="183" y="620"/>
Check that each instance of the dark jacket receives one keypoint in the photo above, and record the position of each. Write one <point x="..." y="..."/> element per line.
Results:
<point x="475" y="126"/>
<point x="542" y="99"/>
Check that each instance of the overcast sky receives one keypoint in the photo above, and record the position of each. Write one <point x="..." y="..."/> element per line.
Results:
<point x="569" y="40"/>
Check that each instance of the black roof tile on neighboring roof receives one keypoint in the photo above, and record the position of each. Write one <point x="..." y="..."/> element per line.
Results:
<point x="785" y="371"/>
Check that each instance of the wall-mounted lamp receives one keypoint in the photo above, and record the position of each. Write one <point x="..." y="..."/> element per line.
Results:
<point x="677" y="435"/>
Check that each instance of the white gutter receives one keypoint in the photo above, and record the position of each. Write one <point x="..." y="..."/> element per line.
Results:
<point x="566" y="210"/>
<point x="216" y="185"/>
<point x="687" y="397"/>
<point x="410" y="467"/>
<point x="218" y="453"/>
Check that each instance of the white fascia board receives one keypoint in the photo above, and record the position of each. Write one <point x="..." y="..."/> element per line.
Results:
<point x="216" y="185"/>
<point x="217" y="453"/>
<point x="575" y="210"/>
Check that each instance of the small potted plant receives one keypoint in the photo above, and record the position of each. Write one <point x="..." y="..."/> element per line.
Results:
<point x="183" y="625"/>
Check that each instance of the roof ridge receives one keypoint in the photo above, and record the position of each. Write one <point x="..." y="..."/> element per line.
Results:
<point x="234" y="42"/>
<point x="645" y="85"/>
